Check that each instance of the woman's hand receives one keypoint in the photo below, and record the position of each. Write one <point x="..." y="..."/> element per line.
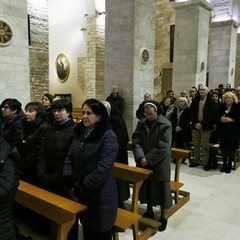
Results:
<point x="144" y="162"/>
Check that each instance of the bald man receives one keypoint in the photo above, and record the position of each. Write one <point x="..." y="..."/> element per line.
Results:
<point x="117" y="102"/>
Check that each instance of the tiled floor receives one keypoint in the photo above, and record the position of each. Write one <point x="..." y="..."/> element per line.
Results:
<point x="213" y="212"/>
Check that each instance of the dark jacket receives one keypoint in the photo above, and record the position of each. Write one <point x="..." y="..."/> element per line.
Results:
<point x="140" y="111"/>
<point x="11" y="128"/>
<point x="185" y="135"/>
<point x="229" y="132"/>
<point x="117" y="104"/>
<point x="90" y="161"/>
<point x="209" y="111"/>
<point x="8" y="188"/>
<point x="120" y="129"/>
<point x="51" y="157"/>
<point x="155" y="145"/>
<point x="32" y="135"/>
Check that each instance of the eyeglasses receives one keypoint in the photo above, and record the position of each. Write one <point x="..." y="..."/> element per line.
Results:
<point x="88" y="113"/>
<point x="5" y="107"/>
<point x="58" y="110"/>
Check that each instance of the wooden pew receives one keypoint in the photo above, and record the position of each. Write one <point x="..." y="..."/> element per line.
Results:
<point x="214" y="146"/>
<point x="125" y="218"/>
<point x="59" y="209"/>
<point x="180" y="197"/>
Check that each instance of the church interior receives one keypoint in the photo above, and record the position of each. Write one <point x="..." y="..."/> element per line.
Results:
<point x="80" y="49"/>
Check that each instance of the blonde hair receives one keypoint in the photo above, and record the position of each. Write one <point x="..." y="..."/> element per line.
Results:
<point x="182" y="99"/>
<point x="230" y="94"/>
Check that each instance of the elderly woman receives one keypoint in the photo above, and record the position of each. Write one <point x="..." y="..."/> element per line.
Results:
<point x="90" y="162"/>
<point x="151" y="149"/>
<point x="181" y="128"/>
<point x="228" y="126"/>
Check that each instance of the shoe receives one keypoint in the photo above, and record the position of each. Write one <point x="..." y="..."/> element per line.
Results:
<point x="148" y="215"/>
<point x="206" y="168"/>
<point x="223" y="168"/>
<point x="228" y="169"/>
<point x="194" y="165"/>
<point x="163" y="224"/>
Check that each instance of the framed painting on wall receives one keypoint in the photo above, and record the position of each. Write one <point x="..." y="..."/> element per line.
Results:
<point x="62" y="67"/>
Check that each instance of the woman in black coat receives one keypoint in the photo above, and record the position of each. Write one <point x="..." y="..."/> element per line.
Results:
<point x="90" y="162"/>
<point x="228" y="127"/>
<point x="181" y="128"/>
<point x="8" y="187"/>
<point x="32" y="134"/>
<point x="120" y="129"/>
<point x="11" y="120"/>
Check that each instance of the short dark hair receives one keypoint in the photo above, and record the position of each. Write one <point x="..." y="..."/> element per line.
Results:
<point x="13" y="104"/>
<point x="36" y="106"/>
<point x="62" y="103"/>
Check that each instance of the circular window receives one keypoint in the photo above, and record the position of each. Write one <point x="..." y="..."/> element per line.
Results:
<point x="6" y="32"/>
<point x="144" y="55"/>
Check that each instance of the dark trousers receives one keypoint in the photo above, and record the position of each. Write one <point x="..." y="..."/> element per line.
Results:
<point x="90" y="234"/>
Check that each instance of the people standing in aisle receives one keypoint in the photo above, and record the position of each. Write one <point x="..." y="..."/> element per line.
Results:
<point x="181" y="127"/>
<point x="228" y="126"/>
<point x="11" y="120"/>
<point x="151" y="148"/>
<point x="140" y="111"/>
<point x="9" y="159"/>
<point x="117" y="101"/>
<point x="202" y="115"/>
<point x="89" y="165"/>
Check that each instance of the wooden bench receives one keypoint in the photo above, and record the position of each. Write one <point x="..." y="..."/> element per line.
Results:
<point x="125" y="218"/>
<point x="180" y="197"/>
<point x="59" y="209"/>
<point x="214" y="146"/>
<point x="63" y="211"/>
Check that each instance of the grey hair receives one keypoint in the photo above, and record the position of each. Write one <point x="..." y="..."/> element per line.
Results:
<point x="107" y="106"/>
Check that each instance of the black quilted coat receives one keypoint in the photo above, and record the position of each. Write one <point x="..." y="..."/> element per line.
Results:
<point x="8" y="187"/>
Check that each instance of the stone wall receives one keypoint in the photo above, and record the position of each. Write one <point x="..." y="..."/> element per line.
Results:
<point x="237" y="68"/>
<point x="14" y="58"/>
<point x="38" y="49"/>
<point x="91" y="67"/>
<point x="165" y="17"/>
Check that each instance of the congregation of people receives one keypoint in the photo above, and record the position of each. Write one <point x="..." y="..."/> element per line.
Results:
<point x="43" y="145"/>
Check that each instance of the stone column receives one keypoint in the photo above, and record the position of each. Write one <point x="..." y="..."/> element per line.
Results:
<point x="222" y="53"/>
<point x="129" y="35"/>
<point x="190" y="44"/>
